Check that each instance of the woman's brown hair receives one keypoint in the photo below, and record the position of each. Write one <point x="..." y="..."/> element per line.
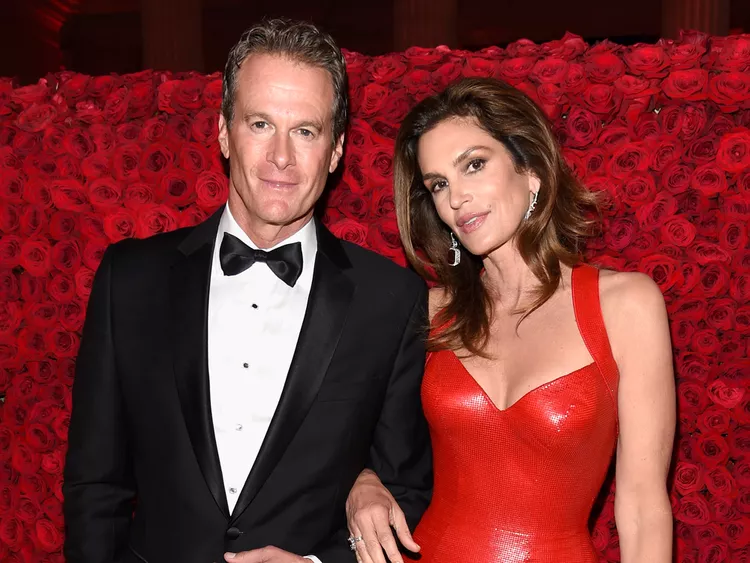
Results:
<point x="552" y="235"/>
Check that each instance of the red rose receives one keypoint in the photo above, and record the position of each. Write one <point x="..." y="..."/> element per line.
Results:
<point x="649" y="60"/>
<point x="193" y="158"/>
<point x="104" y="138"/>
<point x="84" y="279"/>
<point x="688" y="477"/>
<point x="706" y="342"/>
<point x="116" y="106"/>
<point x="349" y="205"/>
<point x="191" y="216"/>
<point x="604" y="67"/>
<point x="582" y="128"/>
<point x="637" y="189"/>
<point x="142" y="100"/>
<point x="712" y="449"/>
<point x="685" y="55"/>
<point x="12" y="186"/>
<point x="734" y="152"/>
<point x="371" y="99"/>
<point x="155" y="160"/>
<point x="737" y="534"/>
<point x="212" y="190"/>
<point x="739" y="287"/>
<point x="643" y="244"/>
<point x="205" y="129"/>
<point x="138" y="195"/>
<point x="69" y="195"/>
<point x="48" y="535"/>
<point x="349" y="230"/>
<point x="212" y="94"/>
<point x="515" y="69"/>
<point x="714" y="280"/>
<point x="62" y="224"/>
<point x="575" y="81"/>
<point x="551" y="70"/>
<point x="647" y="127"/>
<point x="720" y="314"/>
<point x="11" y="533"/>
<point x="186" y="97"/>
<point x="693" y="366"/>
<point x="60" y="425"/>
<point x="734" y="54"/>
<point x="686" y="84"/>
<point x="633" y="87"/>
<point x="126" y="162"/>
<point x="682" y="331"/>
<point x="92" y="227"/>
<point x="95" y="166"/>
<point x="156" y="219"/>
<point x="39" y="438"/>
<point x="104" y="193"/>
<point x="720" y="482"/>
<point x="722" y="509"/>
<point x="73" y="88"/>
<point x="693" y="510"/>
<point x="36" y="117"/>
<point x="705" y="252"/>
<point x="41" y="315"/>
<point x="729" y="89"/>
<point x="602" y="99"/>
<point x="119" y="224"/>
<point x="715" y="551"/>
<point x="11" y="315"/>
<point x="737" y="206"/>
<point x="35" y="256"/>
<point x="628" y="159"/>
<point x="679" y="231"/>
<point x="177" y="188"/>
<point x="61" y="288"/>
<point x="551" y="100"/>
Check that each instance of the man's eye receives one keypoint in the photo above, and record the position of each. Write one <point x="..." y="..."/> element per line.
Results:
<point x="260" y="125"/>
<point x="306" y="133"/>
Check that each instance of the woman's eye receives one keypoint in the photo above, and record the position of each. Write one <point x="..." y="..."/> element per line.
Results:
<point x="438" y="185"/>
<point x="475" y="165"/>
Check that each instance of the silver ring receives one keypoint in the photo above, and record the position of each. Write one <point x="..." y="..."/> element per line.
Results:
<point x="353" y="542"/>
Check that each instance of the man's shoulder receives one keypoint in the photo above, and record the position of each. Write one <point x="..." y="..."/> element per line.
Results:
<point x="379" y="270"/>
<point x="156" y="249"/>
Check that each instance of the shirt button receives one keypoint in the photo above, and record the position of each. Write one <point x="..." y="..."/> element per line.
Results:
<point x="232" y="491"/>
<point x="238" y="428"/>
<point x="245" y="365"/>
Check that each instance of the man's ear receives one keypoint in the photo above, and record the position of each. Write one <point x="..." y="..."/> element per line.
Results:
<point x="338" y="150"/>
<point x="223" y="136"/>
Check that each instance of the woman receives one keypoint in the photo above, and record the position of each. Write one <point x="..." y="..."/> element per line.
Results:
<point x="540" y="367"/>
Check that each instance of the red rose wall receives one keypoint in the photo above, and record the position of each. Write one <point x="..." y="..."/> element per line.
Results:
<point x="660" y="130"/>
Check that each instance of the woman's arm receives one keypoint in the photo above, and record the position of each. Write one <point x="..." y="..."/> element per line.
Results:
<point x="634" y="311"/>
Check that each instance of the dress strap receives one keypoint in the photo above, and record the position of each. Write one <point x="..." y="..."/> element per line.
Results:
<point x="588" y="312"/>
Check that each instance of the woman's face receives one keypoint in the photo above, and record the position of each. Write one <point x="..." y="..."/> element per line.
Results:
<point x="474" y="185"/>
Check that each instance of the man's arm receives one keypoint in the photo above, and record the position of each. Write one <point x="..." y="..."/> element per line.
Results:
<point x="401" y="454"/>
<point x="98" y="483"/>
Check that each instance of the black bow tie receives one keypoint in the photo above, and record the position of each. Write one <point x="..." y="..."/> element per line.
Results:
<point x="236" y="257"/>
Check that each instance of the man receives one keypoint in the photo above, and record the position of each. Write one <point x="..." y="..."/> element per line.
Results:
<point x="226" y="398"/>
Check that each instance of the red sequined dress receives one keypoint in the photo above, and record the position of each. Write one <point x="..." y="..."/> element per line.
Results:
<point x="517" y="485"/>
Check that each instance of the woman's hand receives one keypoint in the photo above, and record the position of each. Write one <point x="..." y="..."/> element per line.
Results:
<point x="371" y="511"/>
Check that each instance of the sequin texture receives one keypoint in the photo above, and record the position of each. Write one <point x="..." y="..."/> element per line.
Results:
<point x="517" y="485"/>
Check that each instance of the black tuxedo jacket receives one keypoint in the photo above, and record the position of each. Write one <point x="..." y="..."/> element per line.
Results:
<point x="142" y="478"/>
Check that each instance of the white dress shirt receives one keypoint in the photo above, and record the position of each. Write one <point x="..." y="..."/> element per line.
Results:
<point x="254" y="322"/>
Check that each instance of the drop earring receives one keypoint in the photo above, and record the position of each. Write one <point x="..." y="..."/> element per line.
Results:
<point x="532" y="206"/>
<point x="456" y="251"/>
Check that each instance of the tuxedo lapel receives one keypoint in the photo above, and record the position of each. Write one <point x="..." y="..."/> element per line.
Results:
<point x="189" y="285"/>
<point x="330" y="296"/>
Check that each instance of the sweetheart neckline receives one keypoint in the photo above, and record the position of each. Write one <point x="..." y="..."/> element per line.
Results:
<point x="522" y="397"/>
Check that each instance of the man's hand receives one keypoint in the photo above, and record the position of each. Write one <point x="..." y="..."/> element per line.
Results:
<point x="268" y="554"/>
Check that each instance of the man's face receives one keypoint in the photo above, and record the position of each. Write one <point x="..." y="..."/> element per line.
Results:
<point x="280" y="145"/>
